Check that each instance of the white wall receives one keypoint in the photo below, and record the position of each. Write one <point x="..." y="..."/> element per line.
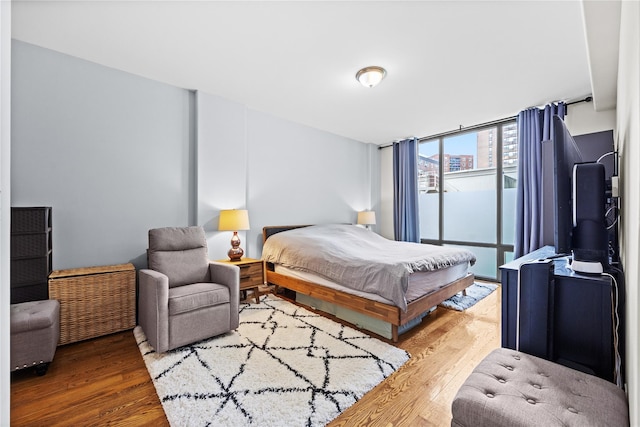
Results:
<point x="111" y="152"/>
<point x="5" y="203"/>
<point x="628" y="145"/>
<point x="284" y="173"/>
<point x="582" y="119"/>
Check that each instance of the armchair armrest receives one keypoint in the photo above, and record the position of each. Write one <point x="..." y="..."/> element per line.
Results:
<point x="153" y="308"/>
<point x="225" y="274"/>
<point x="228" y="275"/>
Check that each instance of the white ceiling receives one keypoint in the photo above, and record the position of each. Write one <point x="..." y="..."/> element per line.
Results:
<point x="449" y="63"/>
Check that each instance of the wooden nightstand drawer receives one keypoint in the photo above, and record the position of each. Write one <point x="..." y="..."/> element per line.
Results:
<point x="250" y="281"/>
<point x="250" y="270"/>
<point x="251" y="274"/>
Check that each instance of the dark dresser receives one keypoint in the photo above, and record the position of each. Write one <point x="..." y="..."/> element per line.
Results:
<point x="550" y="311"/>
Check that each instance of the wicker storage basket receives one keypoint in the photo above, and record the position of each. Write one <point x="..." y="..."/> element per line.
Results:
<point x="94" y="301"/>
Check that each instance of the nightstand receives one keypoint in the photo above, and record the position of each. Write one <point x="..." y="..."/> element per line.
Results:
<point x="251" y="274"/>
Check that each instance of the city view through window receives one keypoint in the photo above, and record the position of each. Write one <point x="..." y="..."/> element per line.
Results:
<point x="462" y="201"/>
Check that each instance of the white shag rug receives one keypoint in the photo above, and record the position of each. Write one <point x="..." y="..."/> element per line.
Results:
<point x="284" y="366"/>
<point x="475" y="293"/>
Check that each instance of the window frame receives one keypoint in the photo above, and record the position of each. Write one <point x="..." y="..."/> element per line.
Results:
<point x="501" y="248"/>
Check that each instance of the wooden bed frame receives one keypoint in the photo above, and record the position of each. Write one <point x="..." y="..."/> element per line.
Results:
<point x="386" y="312"/>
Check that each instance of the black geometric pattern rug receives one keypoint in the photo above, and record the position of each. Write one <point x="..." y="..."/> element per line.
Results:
<point x="284" y="366"/>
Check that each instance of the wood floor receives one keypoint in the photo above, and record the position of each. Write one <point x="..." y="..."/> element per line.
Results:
<point x="104" y="381"/>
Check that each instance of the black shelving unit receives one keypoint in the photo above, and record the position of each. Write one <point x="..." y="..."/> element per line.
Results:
<point x="31" y="253"/>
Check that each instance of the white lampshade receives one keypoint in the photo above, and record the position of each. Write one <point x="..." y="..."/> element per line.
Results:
<point x="367" y="218"/>
<point x="234" y="220"/>
<point x="371" y="76"/>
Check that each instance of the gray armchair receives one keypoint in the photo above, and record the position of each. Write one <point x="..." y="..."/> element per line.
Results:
<point x="184" y="297"/>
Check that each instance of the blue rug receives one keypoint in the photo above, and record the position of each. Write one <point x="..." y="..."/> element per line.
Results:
<point x="475" y="293"/>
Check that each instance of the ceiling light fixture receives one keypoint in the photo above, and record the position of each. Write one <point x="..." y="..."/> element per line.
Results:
<point x="371" y="76"/>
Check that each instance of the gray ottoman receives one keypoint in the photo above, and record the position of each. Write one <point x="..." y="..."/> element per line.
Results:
<point x="509" y="388"/>
<point x="35" y="331"/>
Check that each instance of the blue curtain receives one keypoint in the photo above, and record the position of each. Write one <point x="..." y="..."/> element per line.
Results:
<point x="534" y="127"/>
<point x="406" y="223"/>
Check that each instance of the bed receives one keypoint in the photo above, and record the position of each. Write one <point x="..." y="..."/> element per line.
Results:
<point x="318" y="263"/>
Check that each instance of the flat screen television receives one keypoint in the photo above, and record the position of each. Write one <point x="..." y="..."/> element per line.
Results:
<point x="579" y="201"/>
<point x="565" y="155"/>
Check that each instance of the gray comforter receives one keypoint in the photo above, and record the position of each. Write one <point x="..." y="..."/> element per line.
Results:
<point x="359" y="258"/>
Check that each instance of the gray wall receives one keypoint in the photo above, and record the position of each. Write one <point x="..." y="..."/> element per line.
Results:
<point x="116" y="154"/>
<point x="111" y="152"/>
<point x="222" y="168"/>
<point x="282" y="172"/>
<point x="300" y="175"/>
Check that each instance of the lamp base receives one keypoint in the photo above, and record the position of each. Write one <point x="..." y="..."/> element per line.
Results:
<point x="236" y="252"/>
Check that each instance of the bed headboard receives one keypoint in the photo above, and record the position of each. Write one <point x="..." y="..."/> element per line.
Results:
<point x="270" y="230"/>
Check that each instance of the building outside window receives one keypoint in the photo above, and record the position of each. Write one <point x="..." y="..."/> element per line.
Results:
<point x="467" y="199"/>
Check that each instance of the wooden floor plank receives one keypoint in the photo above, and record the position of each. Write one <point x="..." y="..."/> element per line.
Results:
<point x="104" y="381"/>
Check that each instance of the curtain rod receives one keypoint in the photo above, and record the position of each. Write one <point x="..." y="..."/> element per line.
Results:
<point x="588" y="98"/>
<point x="451" y="132"/>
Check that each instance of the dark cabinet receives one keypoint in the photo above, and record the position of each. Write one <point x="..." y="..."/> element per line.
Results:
<point x="31" y="253"/>
<point x="550" y="311"/>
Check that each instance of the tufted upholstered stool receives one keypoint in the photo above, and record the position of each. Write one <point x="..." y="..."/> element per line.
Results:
<point x="509" y="388"/>
<point x="35" y="331"/>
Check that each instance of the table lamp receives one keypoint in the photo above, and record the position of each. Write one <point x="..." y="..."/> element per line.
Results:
<point x="234" y="220"/>
<point x="367" y="218"/>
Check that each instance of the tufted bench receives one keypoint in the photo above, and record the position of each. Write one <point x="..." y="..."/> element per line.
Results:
<point x="35" y="330"/>
<point x="509" y="388"/>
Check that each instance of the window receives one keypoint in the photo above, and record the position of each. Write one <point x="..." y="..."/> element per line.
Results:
<point x="459" y="180"/>
<point x="428" y="188"/>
